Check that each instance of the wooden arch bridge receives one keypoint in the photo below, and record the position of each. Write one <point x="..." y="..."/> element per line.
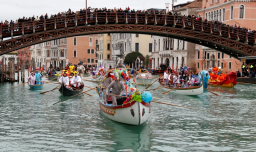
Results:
<point x="233" y="41"/>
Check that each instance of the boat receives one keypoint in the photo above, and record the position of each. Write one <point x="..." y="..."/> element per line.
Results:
<point x="35" y="87"/>
<point x="193" y="90"/>
<point x="228" y="82"/>
<point x="69" y="91"/>
<point x="131" y="113"/>
<point x="144" y="79"/>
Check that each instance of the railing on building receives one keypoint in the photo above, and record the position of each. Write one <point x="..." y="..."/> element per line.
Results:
<point x="31" y="27"/>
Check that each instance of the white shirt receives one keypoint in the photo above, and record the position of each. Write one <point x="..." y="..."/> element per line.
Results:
<point x="75" y="80"/>
<point x="176" y="79"/>
<point x="166" y="75"/>
<point x="169" y="77"/>
<point x="64" y="80"/>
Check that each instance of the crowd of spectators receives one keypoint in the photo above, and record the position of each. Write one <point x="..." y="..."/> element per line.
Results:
<point x="127" y="10"/>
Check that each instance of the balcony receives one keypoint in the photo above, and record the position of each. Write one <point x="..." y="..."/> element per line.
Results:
<point x="166" y="53"/>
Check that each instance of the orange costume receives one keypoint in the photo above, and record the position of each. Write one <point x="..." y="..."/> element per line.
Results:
<point x="215" y="69"/>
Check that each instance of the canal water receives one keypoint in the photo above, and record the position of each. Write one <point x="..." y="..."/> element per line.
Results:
<point x="30" y="122"/>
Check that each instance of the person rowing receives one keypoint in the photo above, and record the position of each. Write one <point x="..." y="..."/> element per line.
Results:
<point x="117" y="89"/>
<point x="76" y="80"/>
<point x="64" y="80"/>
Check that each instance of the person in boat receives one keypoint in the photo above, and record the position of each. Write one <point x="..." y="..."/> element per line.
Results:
<point x="38" y="77"/>
<point x="32" y="78"/>
<point x="76" y="80"/>
<point x="64" y="79"/>
<point x="170" y="78"/>
<point x="106" y="82"/>
<point x="186" y="80"/>
<point x="176" y="80"/>
<point x="166" y="77"/>
<point x="117" y="88"/>
<point x="80" y="70"/>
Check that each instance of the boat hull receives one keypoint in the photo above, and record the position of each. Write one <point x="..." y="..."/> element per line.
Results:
<point x="68" y="92"/>
<point x="229" y="85"/>
<point x="133" y="113"/>
<point x="35" y="87"/>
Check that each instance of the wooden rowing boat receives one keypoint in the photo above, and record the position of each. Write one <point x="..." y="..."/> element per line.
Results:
<point x="193" y="90"/>
<point x="132" y="113"/>
<point x="69" y="91"/>
<point x="36" y="87"/>
<point x="229" y="85"/>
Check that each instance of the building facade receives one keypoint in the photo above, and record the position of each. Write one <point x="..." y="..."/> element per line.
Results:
<point x="82" y="49"/>
<point x="124" y="43"/>
<point x="168" y="51"/>
<point x="104" y="51"/>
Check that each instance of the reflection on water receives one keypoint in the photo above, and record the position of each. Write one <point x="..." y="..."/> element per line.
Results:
<point x="30" y="122"/>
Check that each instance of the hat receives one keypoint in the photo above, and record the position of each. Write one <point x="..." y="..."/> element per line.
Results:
<point x="116" y="75"/>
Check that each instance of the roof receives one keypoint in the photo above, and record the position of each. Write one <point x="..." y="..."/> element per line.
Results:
<point x="194" y="4"/>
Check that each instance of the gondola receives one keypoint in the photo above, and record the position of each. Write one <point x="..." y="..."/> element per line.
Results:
<point x="131" y="113"/>
<point x="69" y="91"/>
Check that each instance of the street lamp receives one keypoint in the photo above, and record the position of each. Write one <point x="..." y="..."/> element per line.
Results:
<point x="167" y="7"/>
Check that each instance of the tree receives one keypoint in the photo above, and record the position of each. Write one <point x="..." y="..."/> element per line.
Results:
<point x="146" y="61"/>
<point x="131" y="57"/>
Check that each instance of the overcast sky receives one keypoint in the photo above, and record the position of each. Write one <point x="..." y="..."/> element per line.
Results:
<point x="13" y="9"/>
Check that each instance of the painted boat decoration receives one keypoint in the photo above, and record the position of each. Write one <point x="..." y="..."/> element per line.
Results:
<point x="144" y="79"/>
<point x="193" y="90"/>
<point x="69" y="91"/>
<point x="132" y="112"/>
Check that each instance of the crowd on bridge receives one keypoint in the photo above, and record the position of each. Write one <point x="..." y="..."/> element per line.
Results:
<point x="120" y="10"/>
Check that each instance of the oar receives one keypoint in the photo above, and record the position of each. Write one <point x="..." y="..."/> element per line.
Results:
<point x="151" y="84"/>
<point x="134" y="82"/>
<point x="19" y="85"/>
<point x="50" y="90"/>
<point x="73" y="96"/>
<point x="213" y="93"/>
<point x="176" y="105"/>
<point x="168" y="91"/>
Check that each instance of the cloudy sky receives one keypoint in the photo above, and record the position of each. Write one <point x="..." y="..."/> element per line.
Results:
<point x="13" y="9"/>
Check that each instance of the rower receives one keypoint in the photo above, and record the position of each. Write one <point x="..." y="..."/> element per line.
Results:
<point x="64" y="80"/>
<point x="32" y="78"/>
<point x="76" y="80"/>
<point x="166" y="75"/>
<point x="38" y="77"/>
<point x="117" y="89"/>
<point x="106" y="83"/>
<point x="176" y="80"/>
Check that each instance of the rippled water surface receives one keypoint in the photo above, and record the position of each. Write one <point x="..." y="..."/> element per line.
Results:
<point x="29" y="122"/>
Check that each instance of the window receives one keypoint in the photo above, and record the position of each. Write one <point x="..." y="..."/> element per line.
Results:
<point x="220" y="15"/>
<point x="217" y="15"/>
<point x="92" y="60"/>
<point x="223" y="14"/>
<point x="137" y="35"/>
<point x="96" y="42"/>
<point x="88" y="51"/>
<point x="61" y="52"/>
<point x="205" y="54"/>
<point x="96" y="55"/>
<point x="198" y="55"/>
<point x="108" y="56"/>
<point x="222" y="56"/>
<point x="88" y="60"/>
<point x="150" y="47"/>
<point x="197" y="65"/>
<point x="136" y="47"/>
<point x="229" y="65"/>
<point x="75" y="54"/>
<point x="209" y="15"/>
<point x="108" y="34"/>
<point x="222" y="65"/>
<point x="212" y="1"/>
<point x="92" y="51"/>
<point x="74" y="41"/>
<point x="205" y="15"/>
<point x="90" y="42"/>
<point x="48" y="53"/>
<point x="218" y="55"/>
<point x="230" y="56"/>
<point x="108" y="46"/>
<point x="232" y="12"/>
<point x="96" y="61"/>
<point x="241" y="11"/>
<point x="218" y="64"/>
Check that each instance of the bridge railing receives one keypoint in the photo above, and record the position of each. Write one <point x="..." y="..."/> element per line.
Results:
<point x="127" y="18"/>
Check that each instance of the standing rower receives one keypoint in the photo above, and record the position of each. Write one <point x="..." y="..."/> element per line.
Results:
<point x="106" y="83"/>
<point x="117" y="89"/>
<point x="64" y="80"/>
<point x="38" y="77"/>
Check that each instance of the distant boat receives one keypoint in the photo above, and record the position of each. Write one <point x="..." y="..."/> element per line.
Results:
<point x="144" y="79"/>
<point x="69" y="91"/>
<point x="132" y="113"/>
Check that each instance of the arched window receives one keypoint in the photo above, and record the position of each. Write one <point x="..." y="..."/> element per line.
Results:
<point x="212" y="16"/>
<point x="231" y="12"/>
<point x="241" y="11"/>
<point x="205" y="15"/>
<point x="209" y="15"/>
<point x="223" y="19"/>
<point x="217" y="15"/>
<point x="220" y="15"/>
